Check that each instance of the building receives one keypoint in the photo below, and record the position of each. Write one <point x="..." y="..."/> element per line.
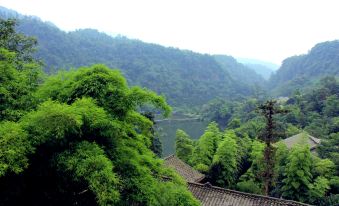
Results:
<point x="215" y="196"/>
<point x="302" y="138"/>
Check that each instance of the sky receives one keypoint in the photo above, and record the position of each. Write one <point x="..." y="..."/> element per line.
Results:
<point x="269" y="30"/>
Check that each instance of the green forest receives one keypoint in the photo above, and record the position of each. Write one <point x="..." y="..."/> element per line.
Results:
<point x="87" y="118"/>
<point x="77" y="137"/>
<point x="233" y="157"/>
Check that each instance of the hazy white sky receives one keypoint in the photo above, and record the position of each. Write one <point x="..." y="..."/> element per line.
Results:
<point x="263" y="29"/>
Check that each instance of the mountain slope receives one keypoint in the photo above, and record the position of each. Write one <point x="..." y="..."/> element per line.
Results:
<point x="299" y="72"/>
<point x="263" y="70"/>
<point x="269" y="65"/>
<point x="184" y="77"/>
<point x="238" y="71"/>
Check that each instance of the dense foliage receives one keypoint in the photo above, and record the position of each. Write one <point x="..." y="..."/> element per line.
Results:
<point x="300" y="72"/>
<point x="78" y="138"/>
<point x="184" y="77"/>
<point x="84" y="137"/>
<point x="296" y="174"/>
<point x="240" y="72"/>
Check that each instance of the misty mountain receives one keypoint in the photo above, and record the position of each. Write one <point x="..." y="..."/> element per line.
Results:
<point x="239" y="71"/>
<point x="186" y="78"/>
<point x="300" y="72"/>
<point x="269" y="65"/>
<point x="265" y="69"/>
<point x="262" y="70"/>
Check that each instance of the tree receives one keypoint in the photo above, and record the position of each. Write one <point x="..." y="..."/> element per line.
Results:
<point x="183" y="146"/>
<point x="24" y="46"/>
<point x="318" y="189"/>
<point x="268" y="110"/>
<point x="298" y="176"/>
<point x="156" y="145"/>
<point x="281" y="161"/>
<point x="86" y="144"/>
<point x="20" y="73"/>
<point x="332" y="106"/>
<point x="224" y="167"/>
<point x="252" y="180"/>
<point x="328" y="148"/>
<point x="206" y="147"/>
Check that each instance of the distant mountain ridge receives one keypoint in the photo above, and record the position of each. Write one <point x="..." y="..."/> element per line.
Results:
<point x="263" y="68"/>
<point x="186" y="78"/>
<point x="300" y="72"/>
<point x="239" y="71"/>
<point x="269" y="65"/>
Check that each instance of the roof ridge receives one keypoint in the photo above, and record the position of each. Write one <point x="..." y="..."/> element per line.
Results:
<point x="314" y="139"/>
<point x="169" y="156"/>
<point x="243" y="193"/>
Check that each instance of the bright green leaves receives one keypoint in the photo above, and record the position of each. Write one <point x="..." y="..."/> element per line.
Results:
<point x="139" y="97"/>
<point x="89" y="163"/>
<point x="106" y="86"/>
<point x="324" y="167"/>
<point x="206" y="147"/>
<point x="19" y="72"/>
<point x="183" y="146"/>
<point x="52" y="122"/>
<point x="318" y="188"/>
<point x="298" y="174"/>
<point x="225" y="165"/>
<point x="72" y="131"/>
<point x="16" y="86"/>
<point x="14" y="147"/>
<point x="170" y="194"/>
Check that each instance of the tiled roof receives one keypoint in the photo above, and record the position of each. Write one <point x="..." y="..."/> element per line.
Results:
<point x="186" y="171"/>
<point x="216" y="196"/>
<point x="299" y="138"/>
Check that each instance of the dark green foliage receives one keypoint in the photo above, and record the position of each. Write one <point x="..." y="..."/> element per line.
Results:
<point x="156" y="144"/>
<point x="218" y="110"/>
<point x="249" y="186"/>
<point x="329" y="148"/>
<point x="239" y="72"/>
<point x="269" y="134"/>
<point x="184" y="77"/>
<point x="300" y="72"/>
<point x="22" y="45"/>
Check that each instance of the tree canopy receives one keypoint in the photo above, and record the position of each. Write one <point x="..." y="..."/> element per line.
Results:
<point x="80" y="138"/>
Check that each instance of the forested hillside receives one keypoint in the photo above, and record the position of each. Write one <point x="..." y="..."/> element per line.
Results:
<point x="184" y="77"/>
<point x="261" y="69"/>
<point x="265" y="69"/>
<point x="77" y="137"/>
<point x="239" y="72"/>
<point x="234" y="158"/>
<point x="81" y="115"/>
<point x="300" y="72"/>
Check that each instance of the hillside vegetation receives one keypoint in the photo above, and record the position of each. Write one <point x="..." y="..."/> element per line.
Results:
<point x="77" y="137"/>
<point x="186" y="78"/>
<point x="300" y="72"/>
